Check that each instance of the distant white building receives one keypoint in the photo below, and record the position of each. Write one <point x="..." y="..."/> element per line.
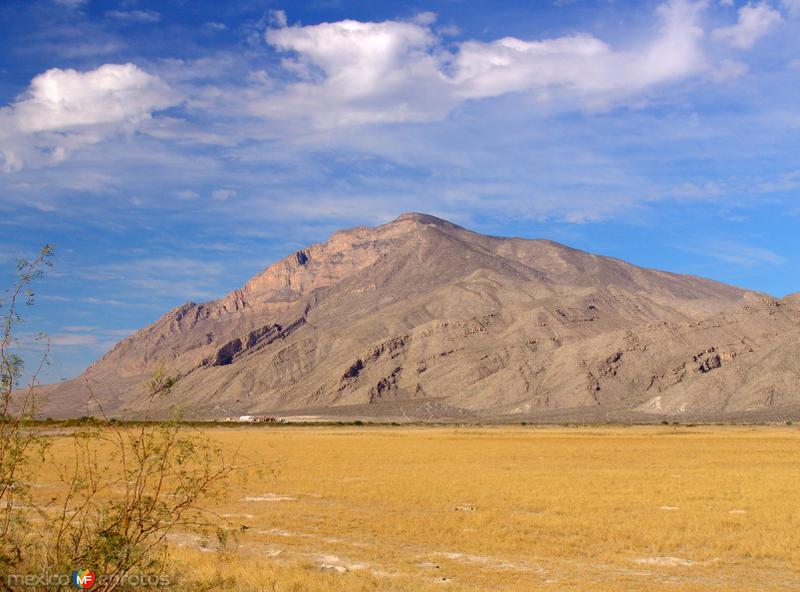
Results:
<point x="256" y="419"/>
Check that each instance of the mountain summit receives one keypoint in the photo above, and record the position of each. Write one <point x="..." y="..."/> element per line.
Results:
<point x="421" y="318"/>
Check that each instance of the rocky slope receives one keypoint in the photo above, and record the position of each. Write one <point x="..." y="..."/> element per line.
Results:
<point x="423" y="318"/>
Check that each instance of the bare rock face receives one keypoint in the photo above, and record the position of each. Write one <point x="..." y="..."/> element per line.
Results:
<point x="420" y="318"/>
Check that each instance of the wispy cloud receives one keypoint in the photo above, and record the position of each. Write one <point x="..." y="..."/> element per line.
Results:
<point x="135" y="16"/>
<point x="165" y="276"/>
<point x="95" y="339"/>
<point x="755" y="21"/>
<point x="72" y="3"/>
<point x="792" y="7"/>
<point x="737" y="253"/>
<point x="223" y="194"/>
<point x="74" y="340"/>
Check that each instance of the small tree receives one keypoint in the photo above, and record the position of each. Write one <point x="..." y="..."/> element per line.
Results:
<point x="16" y="407"/>
<point x="126" y="487"/>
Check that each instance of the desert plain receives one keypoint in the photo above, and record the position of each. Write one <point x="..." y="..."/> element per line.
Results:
<point x="369" y="507"/>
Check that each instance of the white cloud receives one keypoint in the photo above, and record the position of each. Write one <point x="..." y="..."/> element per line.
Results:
<point x="786" y="181"/>
<point x="582" y="65"/>
<point x="72" y="3"/>
<point x="449" y="30"/>
<point x="45" y="207"/>
<point x="354" y="72"/>
<point x="186" y="194"/>
<point x="58" y="100"/>
<point x="741" y="254"/>
<point x="64" y="109"/>
<point x="73" y="340"/>
<point x="164" y="276"/>
<point x="135" y="16"/>
<point x="728" y="70"/>
<point x="223" y="194"/>
<point x="425" y="18"/>
<point x="277" y="18"/>
<point x="91" y="337"/>
<point x="792" y="7"/>
<point x="755" y="21"/>
<point x="351" y="72"/>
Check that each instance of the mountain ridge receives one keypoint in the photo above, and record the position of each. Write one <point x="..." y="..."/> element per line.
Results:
<point x="424" y="309"/>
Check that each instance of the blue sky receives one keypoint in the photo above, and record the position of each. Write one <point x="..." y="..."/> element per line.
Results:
<point x="172" y="149"/>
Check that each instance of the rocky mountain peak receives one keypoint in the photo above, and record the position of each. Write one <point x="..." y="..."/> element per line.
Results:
<point x="427" y="219"/>
<point x="420" y="310"/>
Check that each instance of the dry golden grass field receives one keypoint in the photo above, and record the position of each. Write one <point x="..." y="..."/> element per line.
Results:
<point x="507" y="508"/>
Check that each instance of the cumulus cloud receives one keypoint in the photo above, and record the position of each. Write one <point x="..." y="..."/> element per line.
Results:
<point x="583" y="65"/>
<point x="63" y="109"/>
<point x="355" y="72"/>
<point x="755" y="21"/>
<point x="350" y="72"/>
<point x="113" y="93"/>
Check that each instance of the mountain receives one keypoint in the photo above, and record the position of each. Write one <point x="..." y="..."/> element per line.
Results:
<point x="421" y="318"/>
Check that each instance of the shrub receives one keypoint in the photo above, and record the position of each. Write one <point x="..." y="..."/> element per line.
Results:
<point x="125" y="490"/>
